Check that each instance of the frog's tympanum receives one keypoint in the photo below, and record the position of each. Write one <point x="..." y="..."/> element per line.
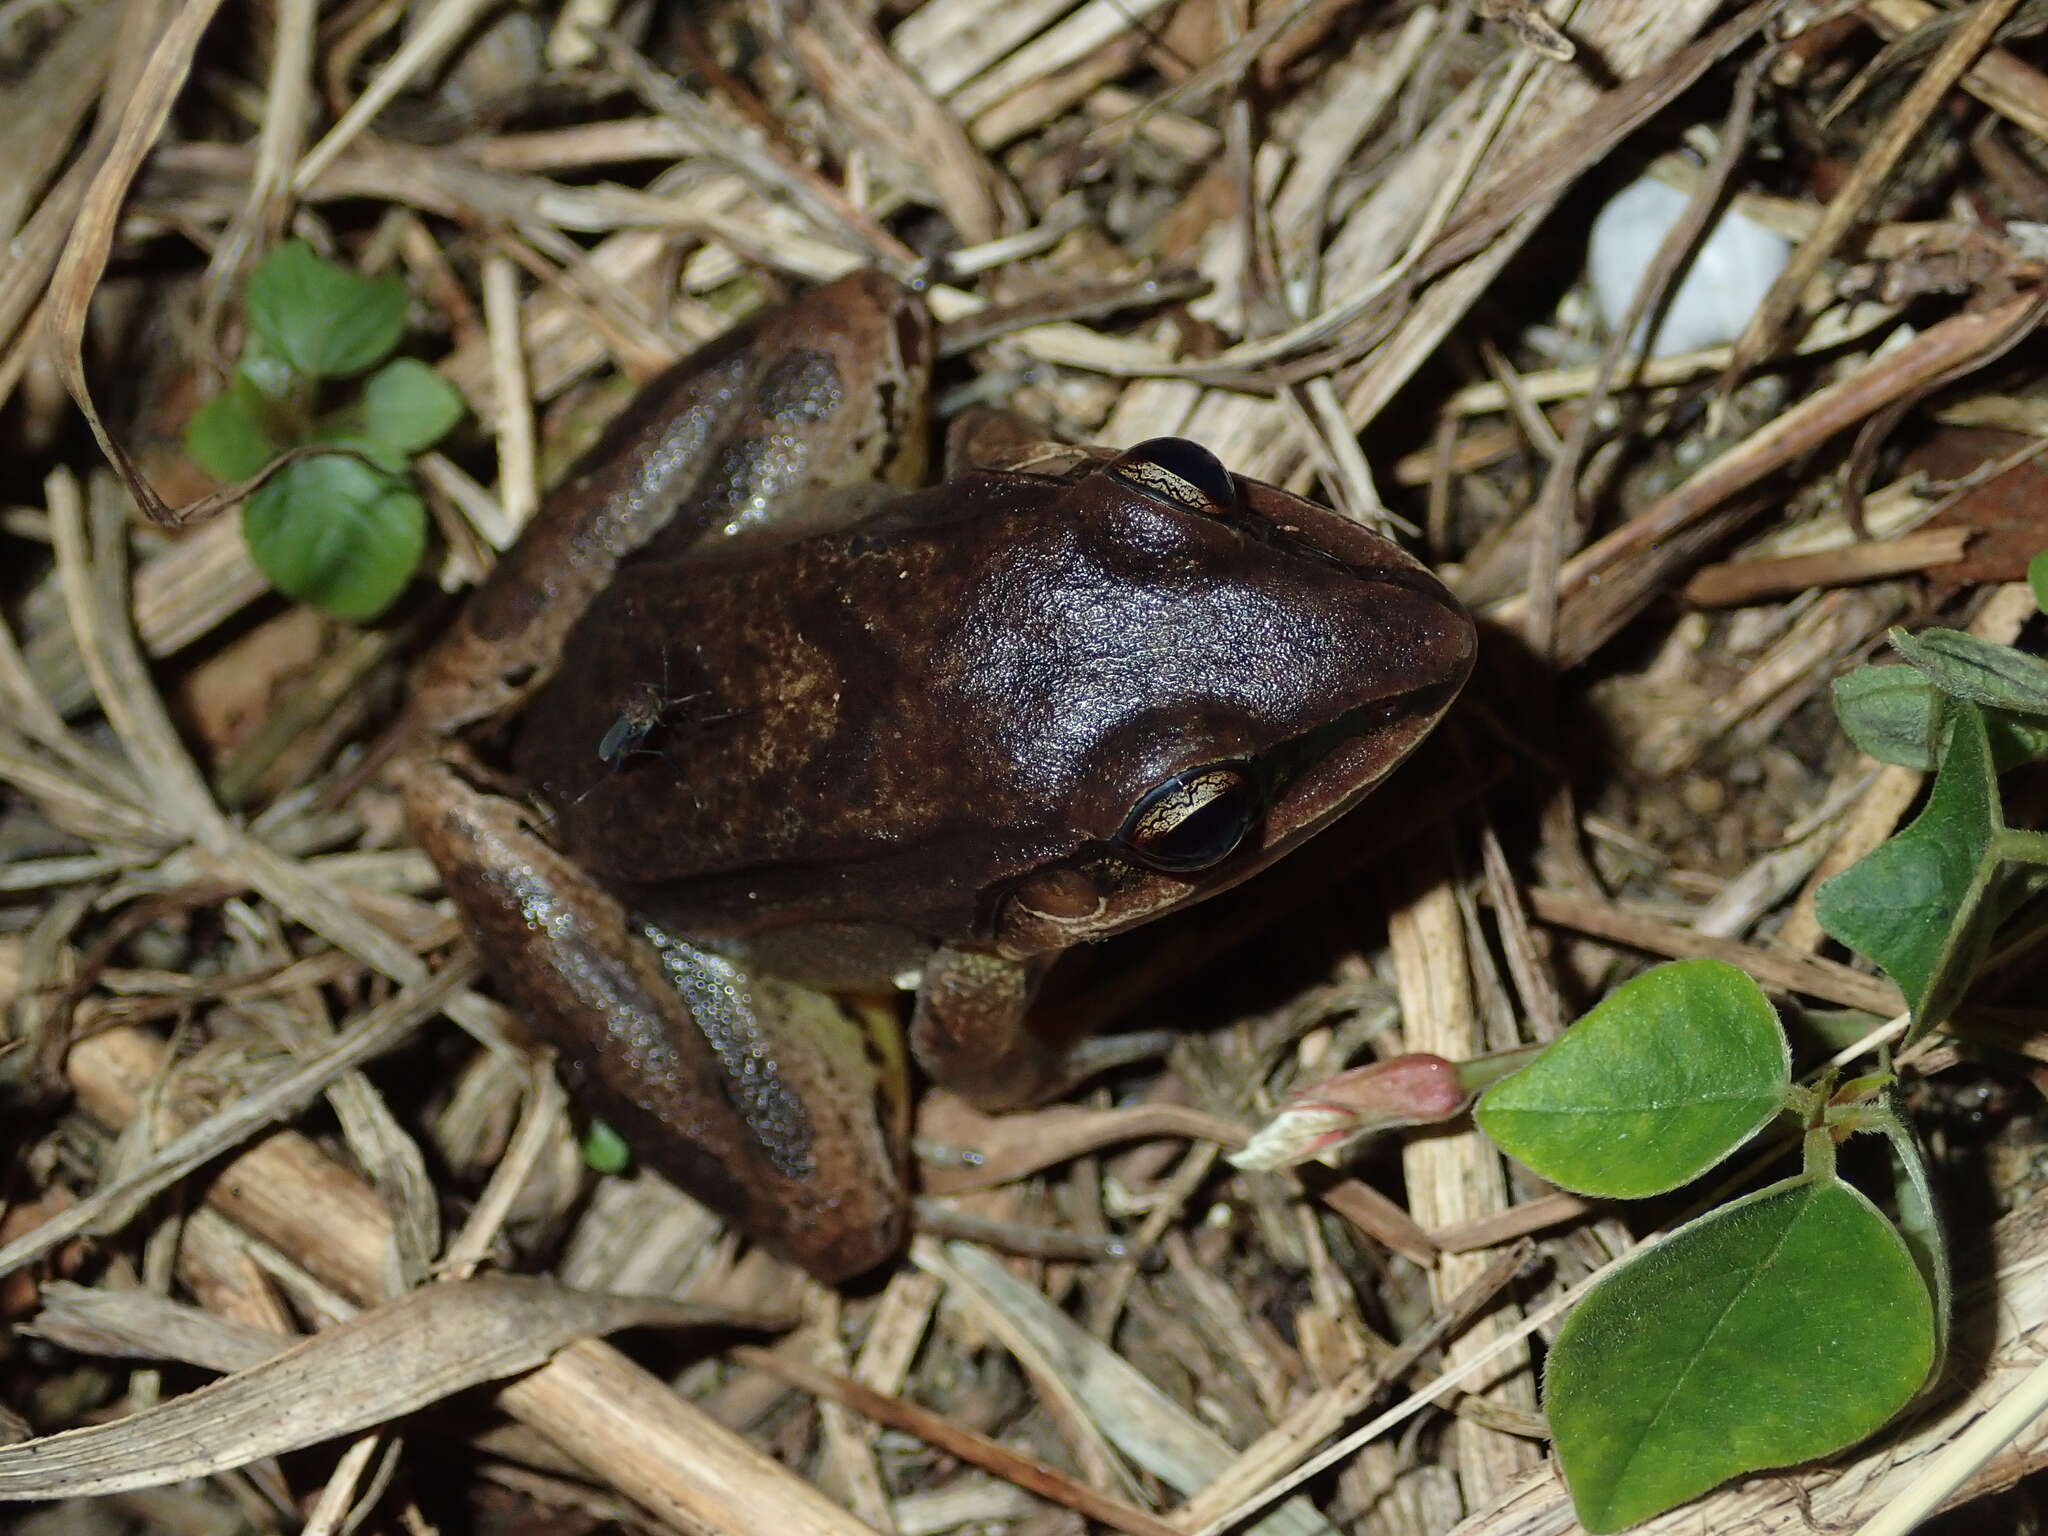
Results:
<point x="802" y="735"/>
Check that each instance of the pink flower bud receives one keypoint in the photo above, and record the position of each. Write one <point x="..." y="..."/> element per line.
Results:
<point x="1416" y="1089"/>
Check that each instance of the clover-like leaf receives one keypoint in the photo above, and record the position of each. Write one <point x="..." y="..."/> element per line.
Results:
<point x="1915" y="904"/>
<point x="229" y="436"/>
<point x="344" y="430"/>
<point x="323" y="320"/>
<point x="1665" y="1077"/>
<point x="409" y="407"/>
<point x="274" y="378"/>
<point x="1774" y="1330"/>
<point x="338" y="533"/>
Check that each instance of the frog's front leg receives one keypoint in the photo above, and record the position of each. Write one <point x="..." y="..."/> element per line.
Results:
<point x="971" y="1032"/>
<point x="763" y="1099"/>
<point x="994" y="441"/>
<point x="975" y="1032"/>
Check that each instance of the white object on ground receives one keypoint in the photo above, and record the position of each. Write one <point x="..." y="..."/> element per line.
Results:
<point x="1731" y="271"/>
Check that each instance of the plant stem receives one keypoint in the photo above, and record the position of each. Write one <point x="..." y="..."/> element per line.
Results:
<point x="2018" y="845"/>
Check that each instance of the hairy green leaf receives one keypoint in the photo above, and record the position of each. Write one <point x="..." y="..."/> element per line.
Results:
<point x="1915" y="904"/>
<point x="1774" y="1330"/>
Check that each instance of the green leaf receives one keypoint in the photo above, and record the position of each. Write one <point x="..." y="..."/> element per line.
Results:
<point x="334" y="532"/>
<point x="1668" y="1075"/>
<point x="344" y="429"/>
<point x="1890" y="713"/>
<point x="322" y="319"/>
<point x="274" y="378"/>
<point x="1920" y="1222"/>
<point x="2037" y="578"/>
<point x="605" y="1150"/>
<point x="408" y="406"/>
<point x="1832" y="1029"/>
<point x="1982" y="671"/>
<point x="1774" y="1330"/>
<point x="1913" y="904"/>
<point x="2015" y="739"/>
<point x="227" y="437"/>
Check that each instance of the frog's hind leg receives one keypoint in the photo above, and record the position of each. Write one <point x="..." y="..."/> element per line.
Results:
<point x="828" y="390"/>
<point x="765" y="1101"/>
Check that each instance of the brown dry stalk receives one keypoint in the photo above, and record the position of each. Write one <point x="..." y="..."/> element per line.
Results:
<point x="451" y="1336"/>
<point x="1826" y="979"/>
<point x="628" y="1427"/>
<point x="91" y="241"/>
<point x="1737" y="582"/>
<point x="2014" y="90"/>
<point x="1850" y="205"/>
<point x="1312" y="1423"/>
<point x="1556" y="512"/>
<point x="957" y="1440"/>
<point x="1939" y="352"/>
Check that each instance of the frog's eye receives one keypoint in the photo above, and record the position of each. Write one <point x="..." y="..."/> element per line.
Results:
<point x="1177" y="472"/>
<point x="1194" y="819"/>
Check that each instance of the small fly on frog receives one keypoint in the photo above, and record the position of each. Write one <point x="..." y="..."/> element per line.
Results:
<point x="639" y="716"/>
<point x="644" y="710"/>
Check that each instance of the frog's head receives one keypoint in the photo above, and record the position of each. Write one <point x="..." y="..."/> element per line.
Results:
<point x="1184" y="674"/>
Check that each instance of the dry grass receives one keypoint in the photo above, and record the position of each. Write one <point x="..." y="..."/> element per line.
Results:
<point x="1336" y="242"/>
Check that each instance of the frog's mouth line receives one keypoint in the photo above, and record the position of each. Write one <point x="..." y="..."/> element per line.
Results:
<point x="1360" y="747"/>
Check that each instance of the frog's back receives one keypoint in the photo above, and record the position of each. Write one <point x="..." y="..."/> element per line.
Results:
<point x="803" y="732"/>
<point x="887" y="721"/>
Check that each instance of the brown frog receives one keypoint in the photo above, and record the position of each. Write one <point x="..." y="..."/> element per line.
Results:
<point x="925" y="738"/>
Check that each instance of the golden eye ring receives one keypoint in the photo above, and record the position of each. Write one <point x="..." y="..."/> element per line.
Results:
<point x="1178" y="472"/>
<point x="1193" y="820"/>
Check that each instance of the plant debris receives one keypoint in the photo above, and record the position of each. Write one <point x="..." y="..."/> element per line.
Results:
<point x="1342" y="246"/>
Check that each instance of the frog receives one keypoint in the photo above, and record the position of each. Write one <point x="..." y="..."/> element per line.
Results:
<point x="912" y="737"/>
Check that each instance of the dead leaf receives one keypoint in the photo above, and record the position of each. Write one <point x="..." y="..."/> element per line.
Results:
<point x="378" y="1366"/>
<point x="2009" y="513"/>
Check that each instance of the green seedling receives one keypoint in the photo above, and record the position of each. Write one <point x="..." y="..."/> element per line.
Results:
<point x="1784" y="1326"/>
<point x="342" y="529"/>
<point x="1799" y="1319"/>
